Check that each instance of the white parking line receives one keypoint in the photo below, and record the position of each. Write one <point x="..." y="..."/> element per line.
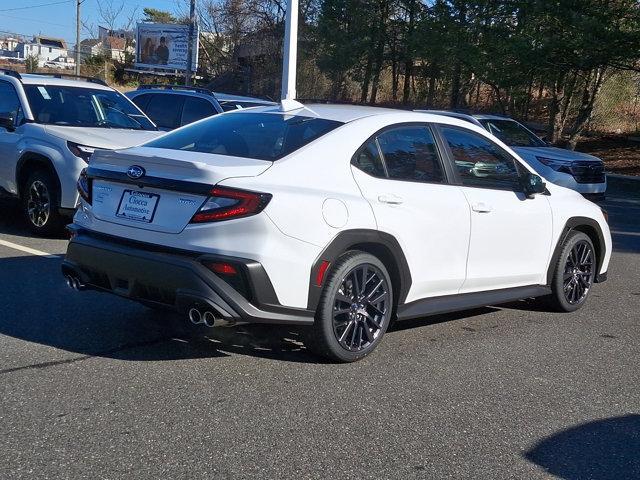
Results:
<point x="31" y="251"/>
<point x="633" y="234"/>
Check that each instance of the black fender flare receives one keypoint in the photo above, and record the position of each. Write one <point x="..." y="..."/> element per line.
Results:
<point x="366" y="240"/>
<point x="591" y="228"/>
<point x="40" y="159"/>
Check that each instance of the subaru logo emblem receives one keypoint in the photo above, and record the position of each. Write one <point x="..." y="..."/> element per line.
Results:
<point x="134" y="171"/>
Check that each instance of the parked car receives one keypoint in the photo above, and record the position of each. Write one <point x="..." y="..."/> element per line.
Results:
<point x="173" y="106"/>
<point x="49" y="127"/>
<point x="335" y="217"/>
<point x="579" y="171"/>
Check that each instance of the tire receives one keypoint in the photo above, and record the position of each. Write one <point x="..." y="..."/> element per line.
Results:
<point x="40" y="204"/>
<point x="351" y="320"/>
<point x="573" y="274"/>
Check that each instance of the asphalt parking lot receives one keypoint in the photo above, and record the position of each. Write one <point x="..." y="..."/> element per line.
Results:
<point x="92" y="386"/>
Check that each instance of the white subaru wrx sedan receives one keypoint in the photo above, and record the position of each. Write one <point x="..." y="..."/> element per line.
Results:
<point x="339" y="218"/>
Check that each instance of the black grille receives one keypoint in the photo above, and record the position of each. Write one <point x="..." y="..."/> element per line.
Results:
<point x="588" y="172"/>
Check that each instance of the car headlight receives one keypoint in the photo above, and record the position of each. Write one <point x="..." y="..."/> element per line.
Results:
<point x="557" y="165"/>
<point x="81" y="151"/>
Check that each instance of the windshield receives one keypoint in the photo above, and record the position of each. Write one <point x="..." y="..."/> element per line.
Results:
<point x="262" y="136"/>
<point x="84" y="107"/>
<point x="512" y="133"/>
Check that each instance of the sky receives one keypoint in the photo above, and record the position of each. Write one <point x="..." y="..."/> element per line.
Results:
<point x="57" y="18"/>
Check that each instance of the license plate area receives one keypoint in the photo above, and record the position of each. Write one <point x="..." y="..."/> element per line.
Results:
<point x="138" y="206"/>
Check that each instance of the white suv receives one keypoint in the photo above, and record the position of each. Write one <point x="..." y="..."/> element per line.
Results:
<point x="340" y="218"/>
<point x="49" y="127"/>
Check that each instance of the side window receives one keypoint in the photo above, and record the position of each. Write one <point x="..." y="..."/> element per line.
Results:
<point x="480" y="162"/>
<point x="142" y="101"/>
<point x="165" y="110"/>
<point x="195" y="109"/>
<point x="9" y="101"/>
<point x="410" y="153"/>
<point x="368" y="159"/>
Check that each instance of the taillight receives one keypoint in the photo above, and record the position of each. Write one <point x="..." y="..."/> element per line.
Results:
<point x="84" y="186"/>
<point x="227" y="203"/>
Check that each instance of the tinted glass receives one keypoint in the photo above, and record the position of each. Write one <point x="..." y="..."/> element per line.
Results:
<point x="368" y="160"/>
<point x="195" y="109"/>
<point x="480" y="162"/>
<point x="263" y="136"/>
<point x="84" y="107"/>
<point x="141" y="101"/>
<point x="410" y="154"/>
<point x="512" y="133"/>
<point x="165" y="110"/>
<point x="9" y="101"/>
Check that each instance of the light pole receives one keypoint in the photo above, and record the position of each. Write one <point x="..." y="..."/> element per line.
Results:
<point x="289" y="59"/>
<point x="192" y="28"/>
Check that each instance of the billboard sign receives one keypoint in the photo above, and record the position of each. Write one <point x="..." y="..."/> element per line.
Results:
<point x="164" y="45"/>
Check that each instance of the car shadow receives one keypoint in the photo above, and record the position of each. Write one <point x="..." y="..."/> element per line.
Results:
<point x="13" y="223"/>
<point x="607" y="449"/>
<point x="39" y="307"/>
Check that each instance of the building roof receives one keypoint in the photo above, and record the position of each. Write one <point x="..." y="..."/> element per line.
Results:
<point x="114" y="43"/>
<point x="50" y="42"/>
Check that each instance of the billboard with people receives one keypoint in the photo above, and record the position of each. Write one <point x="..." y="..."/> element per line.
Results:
<point x="160" y="45"/>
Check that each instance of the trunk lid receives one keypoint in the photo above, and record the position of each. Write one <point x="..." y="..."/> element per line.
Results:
<point x="172" y="188"/>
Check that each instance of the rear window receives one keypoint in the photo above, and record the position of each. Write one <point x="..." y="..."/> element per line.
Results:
<point x="262" y="136"/>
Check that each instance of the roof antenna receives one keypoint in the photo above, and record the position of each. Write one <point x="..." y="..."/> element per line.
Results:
<point x="288" y="96"/>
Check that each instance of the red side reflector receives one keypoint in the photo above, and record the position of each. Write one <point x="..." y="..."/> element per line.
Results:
<point x="321" y="272"/>
<point x="221" y="268"/>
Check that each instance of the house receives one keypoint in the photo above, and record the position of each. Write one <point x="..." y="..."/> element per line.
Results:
<point x="9" y="43"/>
<point x="115" y="48"/>
<point x="45" y="49"/>
<point x="90" y="47"/>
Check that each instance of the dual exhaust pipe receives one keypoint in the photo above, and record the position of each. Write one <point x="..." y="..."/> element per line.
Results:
<point x="74" y="282"/>
<point x="208" y="318"/>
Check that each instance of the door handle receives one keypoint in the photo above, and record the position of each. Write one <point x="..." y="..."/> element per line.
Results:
<point x="390" y="199"/>
<point x="481" y="207"/>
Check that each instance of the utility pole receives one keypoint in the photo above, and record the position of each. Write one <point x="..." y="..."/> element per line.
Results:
<point x="192" y="28"/>
<point x="78" y="2"/>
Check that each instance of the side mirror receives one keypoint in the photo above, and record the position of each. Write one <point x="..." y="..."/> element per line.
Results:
<point x="533" y="184"/>
<point x="8" y="121"/>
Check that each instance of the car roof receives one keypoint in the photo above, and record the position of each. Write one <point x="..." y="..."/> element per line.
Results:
<point x="183" y="90"/>
<point x="337" y="112"/>
<point x="30" y="79"/>
<point x="492" y="117"/>
<point x="226" y="97"/>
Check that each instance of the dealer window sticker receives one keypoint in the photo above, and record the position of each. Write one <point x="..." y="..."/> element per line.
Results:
<point x="44" y="93"/>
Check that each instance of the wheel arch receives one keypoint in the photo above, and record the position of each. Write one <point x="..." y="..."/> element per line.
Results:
<point x="589" y="227"/>
<point x="379" y="244"/>
<point x="28" y="163"/>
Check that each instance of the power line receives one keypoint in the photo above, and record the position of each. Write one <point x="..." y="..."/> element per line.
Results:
<point x="35" y="6"/>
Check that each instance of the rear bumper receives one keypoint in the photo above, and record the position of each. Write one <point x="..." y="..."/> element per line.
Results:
<point x="175" y="279"/>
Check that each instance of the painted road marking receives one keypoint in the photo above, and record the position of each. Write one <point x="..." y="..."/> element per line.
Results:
<point x="633" y="234"/>
<point x="31" y="251"/>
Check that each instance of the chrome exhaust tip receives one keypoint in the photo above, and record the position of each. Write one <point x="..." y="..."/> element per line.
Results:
<point x="195" y="316"/>
<point x="69" y="281"/>
<point x="209" y="318"/>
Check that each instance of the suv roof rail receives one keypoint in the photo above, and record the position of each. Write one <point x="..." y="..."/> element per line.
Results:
<point x="453" y="114"/>
<point x="160" y="86"/>
<point x="96" y="80"/>
<point x="11" y="73"/>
